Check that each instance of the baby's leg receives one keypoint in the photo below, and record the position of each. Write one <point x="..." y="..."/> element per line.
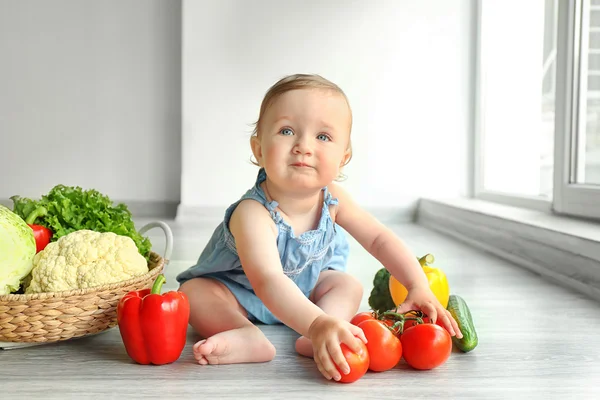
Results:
<point x="338" y="294"/>
<point x="218" y="317"/>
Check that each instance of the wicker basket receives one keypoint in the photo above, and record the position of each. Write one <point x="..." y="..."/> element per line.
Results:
<point x="56" y="316"/>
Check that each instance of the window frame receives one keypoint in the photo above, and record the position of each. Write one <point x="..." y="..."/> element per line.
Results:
<point x="571" y="198"/>
<point x="568" y="198"/>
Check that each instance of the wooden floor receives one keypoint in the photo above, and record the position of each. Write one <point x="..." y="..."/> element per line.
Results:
<point x="537" y="340"/>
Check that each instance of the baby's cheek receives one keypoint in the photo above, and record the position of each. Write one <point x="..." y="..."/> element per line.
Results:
<point x="273" y="154"/>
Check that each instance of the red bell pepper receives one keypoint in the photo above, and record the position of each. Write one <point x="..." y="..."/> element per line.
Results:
<point x="154" y="326"/>
<point x="41" y="234"/>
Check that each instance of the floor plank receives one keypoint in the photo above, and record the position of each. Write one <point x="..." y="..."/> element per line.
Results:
<point x="537" y="340"/>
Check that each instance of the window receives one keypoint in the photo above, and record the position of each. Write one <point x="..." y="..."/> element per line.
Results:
<point x="577" y="182"/>
<point x="538" y="104"/>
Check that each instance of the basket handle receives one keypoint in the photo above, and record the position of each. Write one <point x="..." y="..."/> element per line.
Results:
<point x="168" y="233"/>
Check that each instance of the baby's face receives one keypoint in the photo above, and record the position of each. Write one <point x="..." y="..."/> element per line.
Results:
<point x="303" y="138"/>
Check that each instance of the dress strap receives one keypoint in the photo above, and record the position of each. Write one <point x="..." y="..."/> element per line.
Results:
<point x="328" y="199"/>
<point x="257" y="193"/>
<point x="330" y="204"/>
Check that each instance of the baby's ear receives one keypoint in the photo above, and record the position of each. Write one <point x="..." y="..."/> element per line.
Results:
<point x="256" y="149"/>
<point x="346" y="158"/>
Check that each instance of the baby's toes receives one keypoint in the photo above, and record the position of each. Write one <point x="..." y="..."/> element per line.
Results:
<point x="197" y="345"/>
<point x="202" y="360"/>
<point x="198" y="354"/>
<point x="204" y="347"/>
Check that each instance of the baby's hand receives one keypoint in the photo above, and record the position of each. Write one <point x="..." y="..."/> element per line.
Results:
<point x="327" y="334"/>
<point x="422" y="298"/>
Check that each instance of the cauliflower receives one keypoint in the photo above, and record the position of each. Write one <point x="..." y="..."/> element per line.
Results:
<point x="84" y="259"/>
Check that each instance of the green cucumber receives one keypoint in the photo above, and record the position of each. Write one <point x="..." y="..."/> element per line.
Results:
<point x="461" y="313"/>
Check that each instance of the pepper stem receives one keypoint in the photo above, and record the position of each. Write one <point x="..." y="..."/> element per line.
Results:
<point x="158" y="282"/>
<point x="38" y="212"/>
<point x="426" y="259"/>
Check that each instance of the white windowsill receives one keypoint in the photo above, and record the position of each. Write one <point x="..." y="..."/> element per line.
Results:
<point x="552" y="222"/>
<point x="565" y="250"/>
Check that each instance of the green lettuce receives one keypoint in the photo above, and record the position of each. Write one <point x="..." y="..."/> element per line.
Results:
<point x="17" y="248"/>
<point x="66" y="209"/>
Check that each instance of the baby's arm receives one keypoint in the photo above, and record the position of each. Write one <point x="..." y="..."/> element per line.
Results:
<point x="255" y="239"/>
<point x="390" y="251"/>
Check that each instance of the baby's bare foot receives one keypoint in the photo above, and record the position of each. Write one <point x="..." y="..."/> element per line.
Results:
<point x="242" y="345"/>
<point x="304" y="346"/>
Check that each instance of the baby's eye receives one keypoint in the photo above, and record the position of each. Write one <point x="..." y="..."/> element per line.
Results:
<point x="286" y="132"/>
<point x="324" y="137"/>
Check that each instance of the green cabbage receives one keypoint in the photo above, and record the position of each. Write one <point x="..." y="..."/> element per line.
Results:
<point x="17" y="248"/>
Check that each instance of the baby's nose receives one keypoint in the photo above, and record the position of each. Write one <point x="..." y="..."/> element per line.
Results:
<point x="303" y="146"/>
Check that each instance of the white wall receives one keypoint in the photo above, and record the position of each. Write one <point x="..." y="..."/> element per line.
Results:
<point x="90" y="95"/>
<point x="405" y="66"/>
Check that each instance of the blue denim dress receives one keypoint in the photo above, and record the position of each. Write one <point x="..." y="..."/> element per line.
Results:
<point x="302" y="258"/>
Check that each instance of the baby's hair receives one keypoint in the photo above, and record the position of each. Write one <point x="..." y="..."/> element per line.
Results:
<point x="295" y="82"/>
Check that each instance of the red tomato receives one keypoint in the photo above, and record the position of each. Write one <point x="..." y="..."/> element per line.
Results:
<point x="385" y="349"/>
<point x="358" y="363"/>
<point x="426" y="346"/>
<point x="360" y="317"/>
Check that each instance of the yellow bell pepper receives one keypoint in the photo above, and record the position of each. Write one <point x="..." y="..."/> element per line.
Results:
<point x="437" y="282"/>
